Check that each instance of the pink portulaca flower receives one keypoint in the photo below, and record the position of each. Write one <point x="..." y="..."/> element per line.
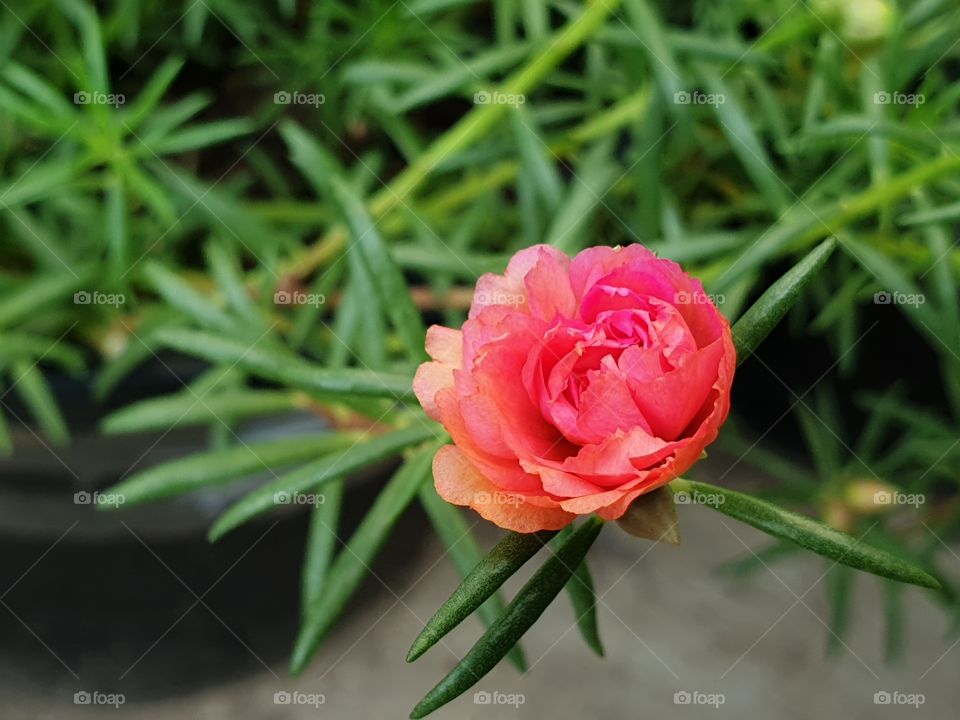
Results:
<point x="576" y="385"/>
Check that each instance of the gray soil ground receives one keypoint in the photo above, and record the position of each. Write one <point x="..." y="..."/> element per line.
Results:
<point x="669" y="622"/>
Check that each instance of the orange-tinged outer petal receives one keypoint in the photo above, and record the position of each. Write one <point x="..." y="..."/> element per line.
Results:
<point x="459" y="482"/>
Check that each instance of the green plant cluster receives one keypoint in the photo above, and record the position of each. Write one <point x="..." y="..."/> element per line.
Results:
<point x="288" y="190"/>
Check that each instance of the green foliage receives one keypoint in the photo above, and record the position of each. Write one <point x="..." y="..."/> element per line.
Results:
<point x="288" y="194"/>
<point x="809" y="534"/>
<point x="486" y="577"/>
<point x="521" y="613"/>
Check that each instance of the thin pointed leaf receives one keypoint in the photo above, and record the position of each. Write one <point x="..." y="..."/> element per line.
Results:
<point x="353" y="562"/>
<point x="894" y="613"/>
<point x="197" y="137"/>
<point x="287" y="369"/>
<point x="737" y="125"/>
<point x="389" y="283"/>
<point x="226" y="271"/>
<point x="948" y="213"/>
<point x="143" y="187"/>
<point x="584" y="600"/>
<point x="23" y="345"/>
<point x="465" y="553"/>
<point x="591" y="181"/>
<point x="6" y="441"/>
<point x="839" y="591"/>
<point x="653" y="39"/>
<point x="153" y="92"/>
<point x="507" y="556"/>
<point x="29" y="298"/>
<point x="895" y="279"/>
<point x="166" y="118"/>
<point x="194" y="408"/>
<point x="115" y="227"/>
<point x="306" y="318"/>
<point x="38" y="90"/>
<point x="809" y="534"/>
<point x="221" y="207"/>
<point x="33" y="389"/>
<point x="520" y="615"/>
<point x="757" y="322"/>
<point x="180" y="294"/>
<point x="321" y="543"/>
<point x="358" y="455"/>
<point x="218" y="466"/>
<point x="536" y="160"/>
<point x="33" y="115"/>
<point x="91" y="42"/>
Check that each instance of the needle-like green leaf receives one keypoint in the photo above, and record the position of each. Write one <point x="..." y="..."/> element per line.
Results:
<point x="33" y="389"/>
<point x="6" y="441"/>
<point x="520" y="615"/>
<point x="807" y="533"/>
<point x="286" y="368"/>
<point x="507" y="556"/>
<point x="321" y="544"/>
<point x="226" y="271"/>
<point x="387" y="280"/>
<point x="312" y="475"/>
<point x="757" y="322"/>
<point x="194" y="408"/>
<point x="217" y="466"/>
<point x="353" y="562"/>
<point x="180" y="294"/>
<point x="584" y="600"/>
<point x="29" y="298"/>
<point x="465" y="553"/>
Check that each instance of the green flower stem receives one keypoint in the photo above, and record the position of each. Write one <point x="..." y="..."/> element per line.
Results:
<point x="810" y="230"/>
<point x="628" y="110"/>
<point x="477" y="122"/>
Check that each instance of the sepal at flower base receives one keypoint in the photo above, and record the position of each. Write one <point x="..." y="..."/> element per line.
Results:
<point x="653" y="516"/>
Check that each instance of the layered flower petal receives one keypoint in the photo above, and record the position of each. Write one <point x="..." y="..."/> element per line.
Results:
<point x="575" y="386"/>
<point x="459" y="482"/>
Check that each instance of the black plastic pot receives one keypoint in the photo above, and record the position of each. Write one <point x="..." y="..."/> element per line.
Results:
<point x="137" y="601"/>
